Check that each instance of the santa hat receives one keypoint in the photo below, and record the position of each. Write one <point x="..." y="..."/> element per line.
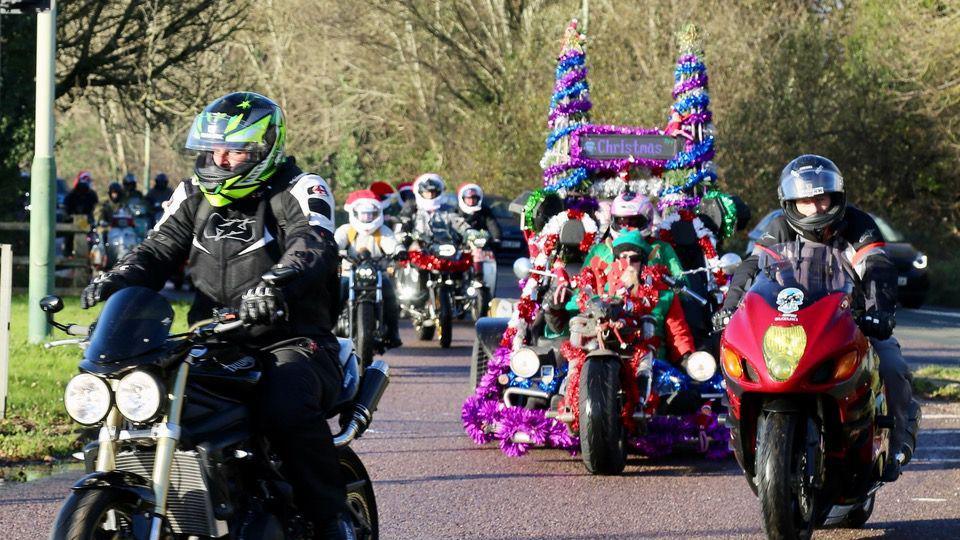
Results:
<point x="405" y="186"/>
<point x="382" y="190"/>
<point x="360" y="195"/>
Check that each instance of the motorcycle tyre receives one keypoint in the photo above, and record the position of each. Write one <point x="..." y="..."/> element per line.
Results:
<point x="777" y="442"/>
<point x="478" y="364"/>
<point x="360" y="495"/>
<point x="83" y="510"/>
<point x="602" y="436"/>
<point x="365" y="328"/>
<point x="446" y="318"/>
<point x="481" y="304"/>
<point x="424" y="333"/>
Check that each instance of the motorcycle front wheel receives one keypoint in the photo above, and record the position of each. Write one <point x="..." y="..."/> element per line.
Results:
<point x="787" y="501"/>
<point x="95" y="513"/>
<point x="445" y="312"/>
<point x="361" y="500"/>
<point x="365" y="324"/>
<point x="602" y="437"/>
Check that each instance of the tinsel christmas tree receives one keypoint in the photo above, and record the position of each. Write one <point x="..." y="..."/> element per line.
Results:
<point x="569" y="109"/>
<point x="691" y="173"/>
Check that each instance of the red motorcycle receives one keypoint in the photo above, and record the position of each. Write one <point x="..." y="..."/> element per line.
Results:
<point x="807" y="411"/>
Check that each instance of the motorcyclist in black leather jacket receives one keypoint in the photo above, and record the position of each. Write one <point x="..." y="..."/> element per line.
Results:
<point x="478" y="215"/>
<point x="815" y="209"/>
<point x="255" y="209"/>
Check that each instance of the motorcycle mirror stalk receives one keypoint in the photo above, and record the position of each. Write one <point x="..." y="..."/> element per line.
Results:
<point x="54" y="304"/>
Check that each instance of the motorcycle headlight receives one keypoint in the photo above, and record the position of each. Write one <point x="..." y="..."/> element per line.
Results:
<point x="365" y="273"/>
<point x="87" y="398"/>
<point x="701" y="366"/>
<point x="920" y="262"/>
<point x="138" y="396"/>
<point x="480" y="242"/>
<point x="783" y="347"/>
<point x="525" y="363"/>
<point x="447" y="250"/>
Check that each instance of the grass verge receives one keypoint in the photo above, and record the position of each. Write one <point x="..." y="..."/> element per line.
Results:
<point x="937" y="382"/>
<point x="36" y="427"/>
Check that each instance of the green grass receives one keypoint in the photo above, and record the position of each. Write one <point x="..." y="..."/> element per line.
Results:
<point x="36" y="426"/>
<point x="937" y="382"/>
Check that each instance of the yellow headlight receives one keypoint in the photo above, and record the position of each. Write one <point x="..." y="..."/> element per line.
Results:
<point x="783" y="347"/>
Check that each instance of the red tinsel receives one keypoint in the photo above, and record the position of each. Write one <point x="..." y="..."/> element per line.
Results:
<point x="527" y="309"/>
<point x="426" y="261"/>
<point x="709" y="252"/>
<point x="508" y="335"/>
<point x="587" y="241"/>
<point x="575" y="358"/>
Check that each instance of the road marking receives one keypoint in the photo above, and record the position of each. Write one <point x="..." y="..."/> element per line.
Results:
<point x="940" y="431"/>
<point x="935" y="460"/>
<point x="939" y="448"/>
<point x="937" y="313"/>
<point x="941" y="416"/>
<point x="927" y="499"/>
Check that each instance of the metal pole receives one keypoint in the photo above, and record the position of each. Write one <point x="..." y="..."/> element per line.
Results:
<point x="585" y="11"/>
<point x="6" y="290"/>
<point x="146" y="156"/>
<point x="43" y="175"/>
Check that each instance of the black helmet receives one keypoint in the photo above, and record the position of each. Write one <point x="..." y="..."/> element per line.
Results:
<point x="161" y="180"/>
<point x="808" y="176"/>
<point x="130" y="179"/>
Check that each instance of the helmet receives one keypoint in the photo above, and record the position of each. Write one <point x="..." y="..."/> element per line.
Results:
<point x="428" y="188"/>
<point x="130" y="181"/>
<point x="632" y="211"/>
<point x="405" y="190"/>
<point x="366" y="212"/>
<point x="809" y="176"/>
<point x="114" y="187"/>
<point x="469" y="198"/>
<point x="384" y="191"/>
<point x="160" y="180"/>
<point x="240" y="139"/>
<point x="83" y="178"/>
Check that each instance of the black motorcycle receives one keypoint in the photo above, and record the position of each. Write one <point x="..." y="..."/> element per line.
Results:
<point x="175" y="456"/>
<point x="362" y="318"/>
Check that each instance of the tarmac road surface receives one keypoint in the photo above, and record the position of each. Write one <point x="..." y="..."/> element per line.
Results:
<point x="433" y="482"/>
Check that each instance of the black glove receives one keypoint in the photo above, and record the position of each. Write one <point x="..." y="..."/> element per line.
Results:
<point x="100" y="289"/>
<point x="263" y="304"/>
<point x="401" y="255"/>
<point x="877" y="323"/>
<point x="721" y="319"/>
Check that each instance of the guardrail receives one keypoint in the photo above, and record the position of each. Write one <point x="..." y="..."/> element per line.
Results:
<point x="79" y="263"/>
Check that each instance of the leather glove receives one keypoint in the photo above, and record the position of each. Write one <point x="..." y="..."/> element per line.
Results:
<point x="101" y="288"/>
<point x="721" y="319"/>
<point x="877" y="323"/>
<point x="263" y="304"/>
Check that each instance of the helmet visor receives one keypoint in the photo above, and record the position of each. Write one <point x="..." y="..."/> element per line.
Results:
<point x="430" y="188"/>
<point x="472" y="197"/>
<point x="367" y="213"/>
<point x="809" y="182"/>
<point x="214" y="168"/>
<point x="630" y="222"/>
<point x="248" y="132"/>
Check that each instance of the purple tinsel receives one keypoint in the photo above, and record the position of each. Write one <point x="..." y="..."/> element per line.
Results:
<point x="698" y="118"/>
<point x="570" y="78"/>
<point x="665" y="432"/>
<point x="587" y="205"/>
<point x="690" y="84"/>
<point x="687" y="58"/>
<point x="478" y="416"/>
<point x="542" y="431"/>
<point x="688" y="202"/>
<point x="571" y="107"/>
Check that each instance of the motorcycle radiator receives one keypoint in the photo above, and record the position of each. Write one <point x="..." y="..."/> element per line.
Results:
<point x="188" y="504"/>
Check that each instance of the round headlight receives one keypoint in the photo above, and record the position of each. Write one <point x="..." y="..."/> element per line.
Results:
<point x="138" y="396"/>
<point x="480" y="242"/>
<point x="87" y="398"/>
<point x="701" y="366"/>
<point x="783" y="347"/>
<point x="447" y="250"/>
<point x="525" y="363"/>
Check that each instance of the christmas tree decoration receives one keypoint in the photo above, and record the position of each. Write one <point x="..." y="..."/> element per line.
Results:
<point x="569" y="110"/>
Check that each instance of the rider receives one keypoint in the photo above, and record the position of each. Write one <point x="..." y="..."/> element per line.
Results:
<point x="367" y="233"/>
<point x="116" y="199"/>
<point x="815" y="209"/>
<point x="130" y="186"/>
<point x="389" y="202"/>
<point x="476" y="214"/>
<point x="160" y="191"/>
<point x="430" y="209"/>
<point x="255" y="210"/>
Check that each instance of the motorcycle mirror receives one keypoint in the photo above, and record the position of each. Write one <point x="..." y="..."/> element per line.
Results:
<point x="729" y="263"/>
<point x="521" y="267"/>
<point x="279" y="275"/>
<point x="51" y="304"/>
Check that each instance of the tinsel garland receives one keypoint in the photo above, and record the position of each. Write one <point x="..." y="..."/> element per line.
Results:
<point x="581" y="204"/>
<point x="696" y="101"/>
<point x="701" y="152"/>
<point x="729" y="212"/>
<point x="529" y="207"/>
<point x="691" y="180"/>
<point x="705" y="238"/>
<point x="665" y="432"/>
<point x="690" y="84"/>
<point x="427" y="261"/>
<point x="612" y="187"/>
<point x="570" y="107"/>
<point x="570" y="78"/>
<point x="612" y="165"/>
<point x="576" y="178"/>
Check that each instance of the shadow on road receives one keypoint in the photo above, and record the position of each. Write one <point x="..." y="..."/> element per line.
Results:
<point x="468" y="477"/>
<point x="917" y="528"/>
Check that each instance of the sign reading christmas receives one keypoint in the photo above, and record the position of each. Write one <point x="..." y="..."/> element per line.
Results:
<point x="616" y="146"/>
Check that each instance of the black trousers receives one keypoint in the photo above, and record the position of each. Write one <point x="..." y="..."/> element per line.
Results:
<point x="301" y="382"/>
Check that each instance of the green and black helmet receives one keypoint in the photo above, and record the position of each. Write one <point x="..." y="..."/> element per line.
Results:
<point x="240" y="139"/>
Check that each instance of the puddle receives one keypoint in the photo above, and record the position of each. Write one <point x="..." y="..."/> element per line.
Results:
<point x="14" y="474"/>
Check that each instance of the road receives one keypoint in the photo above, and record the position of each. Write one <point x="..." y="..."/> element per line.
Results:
<point x="432" y="482"/>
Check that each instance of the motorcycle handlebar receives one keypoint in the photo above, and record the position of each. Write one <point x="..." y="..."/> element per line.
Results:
<point x="685" y="290"/>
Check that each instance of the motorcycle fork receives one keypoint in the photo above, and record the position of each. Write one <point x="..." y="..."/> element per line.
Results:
<point x="107" y="447"/>
<point x="168" y="435"/>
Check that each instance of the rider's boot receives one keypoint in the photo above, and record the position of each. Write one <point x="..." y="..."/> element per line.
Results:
<point x="337" y="529"/>
<point x="907" y="442"/>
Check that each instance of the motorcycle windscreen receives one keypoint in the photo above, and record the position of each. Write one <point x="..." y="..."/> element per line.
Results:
<point x="796" y="274"/>
<point x="134" y="321"/>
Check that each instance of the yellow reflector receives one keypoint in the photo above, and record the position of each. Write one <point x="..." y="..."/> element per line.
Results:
<point x="846" y="365"/>
<point x="783" y="347"/>
<point x="731" y="363"/>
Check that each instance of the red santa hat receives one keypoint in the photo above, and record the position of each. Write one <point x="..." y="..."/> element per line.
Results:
<point x="382" y="190"/>
<point x="360" y="195"/>
<point x="404" y="186"/>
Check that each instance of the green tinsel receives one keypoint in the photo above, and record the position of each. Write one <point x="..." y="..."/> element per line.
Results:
<point x="531" y="206"/>
<point x="729" y="211"/>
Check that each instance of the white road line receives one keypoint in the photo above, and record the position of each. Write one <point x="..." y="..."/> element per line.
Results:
<point x="939" y="448"/>
<point x="941" y="416"/>
<point x="926" y="499"/>
<point x="950" y="314"/>
<point x="935" y="460"/>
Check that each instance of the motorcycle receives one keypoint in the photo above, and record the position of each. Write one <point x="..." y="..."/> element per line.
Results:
<point x="481" y="280"/>
<point x="120" y="238"/>
<point x="807" y="407"/>
<point x="362" y="318"/>
<point x="175" y="456"/>
<point x="427" y="283"/>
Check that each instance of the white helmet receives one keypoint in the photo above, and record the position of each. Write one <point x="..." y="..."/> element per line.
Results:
<point x="472" y="192"/>
<point x="632" y="211"/>
<point x="428" y="189"/>
<point x="365" y="210"/>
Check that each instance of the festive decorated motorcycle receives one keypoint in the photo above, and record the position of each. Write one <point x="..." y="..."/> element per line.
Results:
<point x="428" y="282"/>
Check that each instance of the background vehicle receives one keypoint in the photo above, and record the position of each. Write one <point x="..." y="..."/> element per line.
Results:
<point x="176" y="454"/>
<point x="912" y="281"/>
<point x="512" y="242"/>
<point x="109" y="247"/>
<point x="479" y="284"/>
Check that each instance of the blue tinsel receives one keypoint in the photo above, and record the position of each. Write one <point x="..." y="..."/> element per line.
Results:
<point x="581" y="86"/>
<point x="558" y="134"/>
<point x="698" y="101"/>
<point x="693" y="179"/>
<point x="518" y="382"/>
<point x="688" y="69"/>
<point x="685" y="159"/>
<point x="573" y="178"/>
<point x="567" y="64"/>
<point x="554" y="384"/>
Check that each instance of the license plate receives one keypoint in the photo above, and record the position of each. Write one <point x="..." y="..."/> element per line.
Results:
<point x="901" y="280"/>
<point x="511" y="244"/>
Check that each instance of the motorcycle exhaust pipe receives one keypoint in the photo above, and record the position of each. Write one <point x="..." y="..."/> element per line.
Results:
<point x="374" y="384"/>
